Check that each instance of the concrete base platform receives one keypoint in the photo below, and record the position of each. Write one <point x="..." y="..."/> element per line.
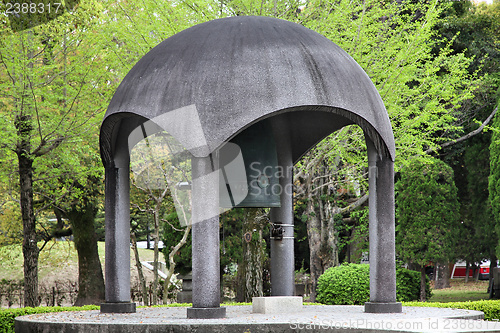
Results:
<point x="312" y="318"/>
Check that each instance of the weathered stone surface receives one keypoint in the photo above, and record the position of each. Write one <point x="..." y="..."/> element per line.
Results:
<point x="210" y="82"/>
<point x="276" y="304"/>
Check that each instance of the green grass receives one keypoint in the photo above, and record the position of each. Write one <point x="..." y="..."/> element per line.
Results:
<point x="461" y="292"/>
<point x="57" y="261"/>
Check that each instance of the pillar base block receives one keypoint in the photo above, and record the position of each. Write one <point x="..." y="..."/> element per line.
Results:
<point x="206" y="313"/>
<point x="125" y="307"/>
<point x="382" y="307"/>
<point x="276" y="304"/>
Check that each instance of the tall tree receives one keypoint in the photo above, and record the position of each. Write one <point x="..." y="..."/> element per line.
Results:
<point x="422" y="89"/>
<point x="494" y="178"/>
<point x="251" y="266"/>
<point x="475" y="31"/>
<point x="427" y="214"/>
<point x="81" y="213"/>
<point x="70" y="186"/>
<point x="51" y="86"/>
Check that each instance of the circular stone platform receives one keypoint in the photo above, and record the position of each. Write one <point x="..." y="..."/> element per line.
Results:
<point x="312" y="318"/>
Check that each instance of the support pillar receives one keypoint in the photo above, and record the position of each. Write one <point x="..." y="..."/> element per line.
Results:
<point x="382" y="234"/>
<point x="205" y="240"/>
<point x="282" y="248"/>
<point x="117" y="220"/>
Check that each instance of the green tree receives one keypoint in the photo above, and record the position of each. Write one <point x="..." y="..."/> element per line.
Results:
<point x="426" y="214"/>
<point x="81" y="213"/>
<point x="494" y="178"/>
<point x="75" y="193"/>
<point x="421" y="85"/>
<point x="475" y="31"/>
<point x="171" y="237"/>
<point x="52" y="85"/>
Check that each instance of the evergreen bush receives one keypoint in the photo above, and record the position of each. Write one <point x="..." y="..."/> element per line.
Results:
<point x="349" y="284"/>
<point x="7" y="316"/>
<point x="408" y="285"/>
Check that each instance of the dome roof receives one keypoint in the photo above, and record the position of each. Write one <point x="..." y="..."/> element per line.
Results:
<point x="224" y="75"/>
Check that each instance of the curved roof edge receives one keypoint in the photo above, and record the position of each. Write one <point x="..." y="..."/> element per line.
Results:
<point x="228" y="73"/>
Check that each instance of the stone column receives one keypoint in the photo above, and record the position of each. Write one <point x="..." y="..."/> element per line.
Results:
<point x="382" y="234"/>
<point x="205" y="239"/>
<point x="117" y="221"/>
<point x="282" y="250"/>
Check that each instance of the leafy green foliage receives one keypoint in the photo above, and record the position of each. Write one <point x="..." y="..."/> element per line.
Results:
<point x="426" y="212"/>
<point x="475" y="31"/>
<point x="231" y="240"/>
<point x="344" y="285"/>
<point x="171" y="238"/>
<point x="7" y="316"/>
<point x="52" y="85"/>
<point x="408" y="285"/>
<point x="491" y="308"/>
<point x="11" y="229"/>
<point x="394" y="43"/>
<point x="349" y="284"/>
<point x="494" y="179"/>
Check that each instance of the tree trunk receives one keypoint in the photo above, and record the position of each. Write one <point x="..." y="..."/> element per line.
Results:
<point x="250" y="282"/>
<point x="329" y="249"/>
<point x="314" y="236"/>
<point x="171" y="262"/>
<point x="442" y="276"/>
<point x="142" y="280"/>
<point x="90" y="277"/>
<point x="467" y="271"/>
<point x="156" y="238"/>
<point x="30" y="246"/>
<point x="323" y="249"/>
<point x="422" y="284"/>
<point x="493" y="264"/>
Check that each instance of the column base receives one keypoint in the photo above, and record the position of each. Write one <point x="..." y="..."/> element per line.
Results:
<point x="206" y="313"/>
<point x="125" y="307"/>
<point x="380" y="307"/>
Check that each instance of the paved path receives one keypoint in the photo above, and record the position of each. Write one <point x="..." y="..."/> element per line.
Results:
<point x="312" y="318"/>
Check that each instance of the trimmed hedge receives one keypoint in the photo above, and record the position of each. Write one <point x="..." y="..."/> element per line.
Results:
<point x="349" y="284"/>
<point x="7" y="316"/>
<point x="491" y="308"/>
